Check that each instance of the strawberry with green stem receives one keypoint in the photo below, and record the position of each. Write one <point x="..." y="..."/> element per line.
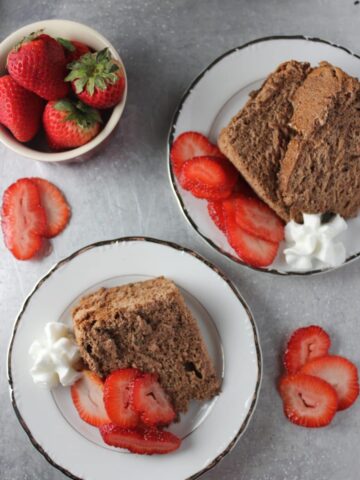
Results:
<point x="97" y="79"/>
<point x="38" y="63"/>
<point x="70" y="124"/>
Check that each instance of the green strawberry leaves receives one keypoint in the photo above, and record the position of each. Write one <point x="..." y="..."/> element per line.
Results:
<point x="82" y="114"/>
<point x="93" y="71"/>
<point x="66" y="44"/>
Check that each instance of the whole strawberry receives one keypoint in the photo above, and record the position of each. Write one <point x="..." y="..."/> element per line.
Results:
<point x="70" y="124"/>
<point x="97" y="79"/>
<point x="38" y="63"/>
<point x="20" y="110"/>
<point x="73" y="49"/>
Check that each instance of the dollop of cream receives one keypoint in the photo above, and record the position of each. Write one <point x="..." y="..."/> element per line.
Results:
<point x="312" y="244"/>
<point x="54" y="357"/>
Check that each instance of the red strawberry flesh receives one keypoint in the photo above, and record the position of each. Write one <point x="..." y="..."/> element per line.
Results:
<point x="305" y="344"/>
<point x="87" y="396"/>
<point x="308" y="401"/>
<point x="252" y="250"/>
<point x="215" y="209"/>
<point x="141" y="441"/>
<point x="210" y="175"/>
<point x="256" y="218"/>
<point x="338" y="372"/>
<point x="23" y="219"/>
<point x="189" y="145"/>
<point x="151" y="402"/>
<point x="117" y="397"/>
<point x="56" y="207"/>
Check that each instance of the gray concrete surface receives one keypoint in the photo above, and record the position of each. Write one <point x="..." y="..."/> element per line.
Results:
<point x="124" y="190"/>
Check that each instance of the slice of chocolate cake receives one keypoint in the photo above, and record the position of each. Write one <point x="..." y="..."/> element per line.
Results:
<point x="146" y="325"/>
<point x="256" y="139"/>
<point x="320" y="171"/>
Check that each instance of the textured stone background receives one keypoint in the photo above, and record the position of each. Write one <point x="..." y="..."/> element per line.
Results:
<point x="125" y="190"/>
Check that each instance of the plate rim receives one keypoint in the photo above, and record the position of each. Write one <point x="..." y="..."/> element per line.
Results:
<point x="174" y="246"/>
<point x="170" y="139"/>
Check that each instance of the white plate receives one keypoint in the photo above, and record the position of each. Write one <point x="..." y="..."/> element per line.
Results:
<point x="219" y="92"/>
<point x="209" y="430"/>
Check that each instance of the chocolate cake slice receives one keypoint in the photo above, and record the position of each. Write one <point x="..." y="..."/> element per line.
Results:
<point x="256" y="139"/>
<point x="320" y="171"/>
<point x="146" y="325"/>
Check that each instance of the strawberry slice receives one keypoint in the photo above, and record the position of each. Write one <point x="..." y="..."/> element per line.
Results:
<point x="251" y="249"/>
<point x="117" y="397"/>
<point x="340" y="373"/>
<point x="305" y="344"/>
<point x="189" y="145"/>
<point x="215" y="209"/>
<point x="144" y="441"/>
<point x="23" y="219"/>
<point x="308" y="401"/>
<point x="87" y="396"/>
<point x="151" y="402"/>
<point x="207" y="177"/>
<point x="56" y="207"/>
<point x="255" y="217"/>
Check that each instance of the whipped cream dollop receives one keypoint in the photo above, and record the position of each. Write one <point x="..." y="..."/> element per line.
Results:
<point x="54" y="357"/>
<point x="312" y="244"/>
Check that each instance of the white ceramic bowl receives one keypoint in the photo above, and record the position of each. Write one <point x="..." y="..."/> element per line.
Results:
<point x="73" y="31"/>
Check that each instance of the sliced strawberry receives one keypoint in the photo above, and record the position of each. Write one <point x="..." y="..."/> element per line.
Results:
<point x="340" y="373"/>
<point x="256" y="218"/>
<point x="117" y="397"/>
<point x="151" y="402"/>
<point x="199" y="191"/>
<point x="215" y="209"/>
<point x="144" y="441"/>
<point x="87" y="396"/>
<point x="205" y="176"/>
<point x="305" y="344"/>
<point x="252" y="250"/>
<point x="189" y="145"/>
<point x="308" y="401"/>
<point x="23" y="220"/>
<point x="56" y="207"/>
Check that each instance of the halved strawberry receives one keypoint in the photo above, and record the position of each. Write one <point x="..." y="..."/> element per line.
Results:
<point x="340" y="373"/>
<point x="215" y="209"/>
<point x="305" y="344"/>
<point x="251" y="249"/>
<point x="143" y="441"/>
<point x="117" y="397"/>
<point x="55" y="205"/>
<point x="23" y="219"/>
<point x="208" y="177"/>
<point x="308" y="401"/>
<point x="87" y="396"/>
<point x="189" y="145"/>
<point x="151" y="402"/>
<point x="255" y="217"/>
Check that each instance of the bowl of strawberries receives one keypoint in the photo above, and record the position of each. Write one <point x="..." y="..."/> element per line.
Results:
<point x="63" y="89"/>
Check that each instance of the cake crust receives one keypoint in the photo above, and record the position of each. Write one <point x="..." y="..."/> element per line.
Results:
<point x="146" y="325"/>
